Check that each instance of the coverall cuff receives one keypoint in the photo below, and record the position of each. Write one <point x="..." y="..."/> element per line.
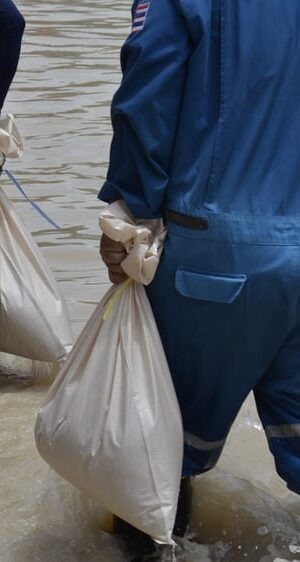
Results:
<point x="111" y="192"/>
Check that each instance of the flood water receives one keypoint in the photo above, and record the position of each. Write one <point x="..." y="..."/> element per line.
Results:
<point x="67" y="74"/>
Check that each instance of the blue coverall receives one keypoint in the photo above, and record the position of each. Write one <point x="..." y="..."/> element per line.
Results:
<point x="207" y="136"/>
<point x="12" y="25"/>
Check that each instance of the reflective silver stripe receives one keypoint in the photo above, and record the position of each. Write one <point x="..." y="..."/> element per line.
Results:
<point x="283" y="431"/>
<point x="200" y="444"/>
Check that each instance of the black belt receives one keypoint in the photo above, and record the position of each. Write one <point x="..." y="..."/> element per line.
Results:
<point x="197" y="223"/>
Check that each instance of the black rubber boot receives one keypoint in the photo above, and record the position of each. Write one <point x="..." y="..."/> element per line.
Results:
<point x="183" y="508"/>
<point x="139" y="546"/>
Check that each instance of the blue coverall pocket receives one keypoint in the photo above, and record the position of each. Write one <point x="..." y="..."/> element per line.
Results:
<point x="220" y="288"/>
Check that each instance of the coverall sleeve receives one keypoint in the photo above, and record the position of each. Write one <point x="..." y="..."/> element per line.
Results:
<point x="12" y="25"/>
<point x="146" y="108"/>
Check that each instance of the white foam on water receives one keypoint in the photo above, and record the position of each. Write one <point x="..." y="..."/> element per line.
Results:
<point x="253" y="525"/>
<point x="283" y="560"/>
<point x="15" y="369"/>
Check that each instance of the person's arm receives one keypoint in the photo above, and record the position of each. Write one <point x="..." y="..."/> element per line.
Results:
<point x="146" y="108"/>
<point x="12" y="25"/>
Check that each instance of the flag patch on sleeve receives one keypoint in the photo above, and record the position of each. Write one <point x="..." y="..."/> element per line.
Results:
<point x="140" y="16"/>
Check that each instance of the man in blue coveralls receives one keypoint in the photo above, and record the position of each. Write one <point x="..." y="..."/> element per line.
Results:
<point x="12" y="25"/>
<point x="207" y="135"/>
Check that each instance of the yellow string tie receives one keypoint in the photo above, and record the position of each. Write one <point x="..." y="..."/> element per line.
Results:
<point x="115" y="297"/>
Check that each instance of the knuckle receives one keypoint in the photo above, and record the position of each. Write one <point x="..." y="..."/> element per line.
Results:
<point x="116" y="269"/>
<point x="115" y="278"/>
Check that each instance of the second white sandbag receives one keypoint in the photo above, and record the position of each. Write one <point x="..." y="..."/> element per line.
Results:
<point x="33" y="317"/>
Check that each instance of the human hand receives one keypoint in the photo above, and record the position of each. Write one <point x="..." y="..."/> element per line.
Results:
<point x="113" y="253"/>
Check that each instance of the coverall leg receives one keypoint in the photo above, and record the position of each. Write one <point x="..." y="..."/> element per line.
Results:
<point x="278" y="397"/>
<point x="227" y="305"/>
<point x="12" y="25"/>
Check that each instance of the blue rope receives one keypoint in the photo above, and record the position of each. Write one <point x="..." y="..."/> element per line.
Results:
<point x="34" y="205"/>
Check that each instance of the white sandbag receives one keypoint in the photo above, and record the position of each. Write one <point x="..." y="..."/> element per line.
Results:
<point x="33" y="317"/>
<point x="10" y="138"/>
<point x="110" y="423"/>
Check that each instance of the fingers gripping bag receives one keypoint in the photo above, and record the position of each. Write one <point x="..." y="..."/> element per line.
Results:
<point x="33" y="318"/>
<point x="110" y="423"/>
